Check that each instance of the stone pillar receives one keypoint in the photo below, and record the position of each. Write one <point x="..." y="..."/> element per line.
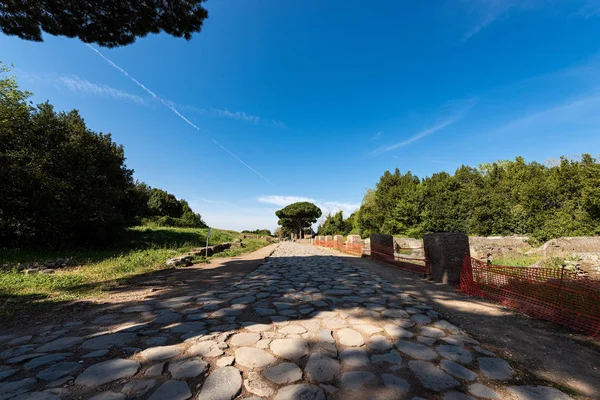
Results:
<point x="328" y="241"/>
<point x="382" y="247"/>
<point x="338" y="242"/>
<point x="354" y="244"/>
<point x="446" y="252"/>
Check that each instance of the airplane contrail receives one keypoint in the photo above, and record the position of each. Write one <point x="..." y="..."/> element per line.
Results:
<point x="166" y="104"/>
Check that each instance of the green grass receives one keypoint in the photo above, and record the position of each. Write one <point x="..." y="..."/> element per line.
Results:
<point x="141" y="250"/>
<point x="516" y="260"/>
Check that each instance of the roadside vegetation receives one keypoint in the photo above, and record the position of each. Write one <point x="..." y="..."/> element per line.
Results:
<point x="95" y="272"/>
<point x="506" y="197"/>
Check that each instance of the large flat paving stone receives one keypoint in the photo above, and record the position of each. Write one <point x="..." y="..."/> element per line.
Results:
<point x="290" y="349"/>
<point x="357" y="380"/>
<point x="187" y="368"/>
<point x="253" y="358"/>
<point x="172" y="390"/>
<point x="495" y="368"/>
<point x="302" y="391"/>
<point x="244" y="339"/>
<point x="223" y="384"/>
<point x="415" y="350"/>
<point x="537" y="393"/>
<point x="431" y="377"/>
<point x="349" y="337"/>
<point x="37" y="396"/>
<point x="457" y="370"/>
<point x="480" y="390"/>
<point x="399" y="385"/>
<point x="354" y="357"/>
<point x="455" y="353"/>
<point x="11" y="389"/>
<point x="321" y="368"/>
<point x="45" y="360"/>
<point x="58" y="371"/>
<point x="60" y="344"/>
<point x="283" y="373"/>
<point x="109" y="396"/>
<point x="108" y="341"/>
<point x="160" y="353"/>
<point x="107" y="371"/>
<point x="138" y="388"/>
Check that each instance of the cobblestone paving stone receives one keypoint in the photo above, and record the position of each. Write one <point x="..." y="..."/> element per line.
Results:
<point x="304" y="325"/>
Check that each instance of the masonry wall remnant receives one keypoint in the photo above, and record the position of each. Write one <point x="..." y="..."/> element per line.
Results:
<point x="446" y="251"/>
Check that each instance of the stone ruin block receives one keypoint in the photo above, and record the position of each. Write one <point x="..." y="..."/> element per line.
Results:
<point x="382" y="247"/>
<point x="446" y="252"/>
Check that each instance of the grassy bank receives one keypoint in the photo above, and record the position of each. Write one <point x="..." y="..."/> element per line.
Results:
<point x="141" y="250"/>
<point x="516" y="260"/>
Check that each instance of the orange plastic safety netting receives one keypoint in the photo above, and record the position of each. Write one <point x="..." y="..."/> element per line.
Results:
<point x="554" y="294"/>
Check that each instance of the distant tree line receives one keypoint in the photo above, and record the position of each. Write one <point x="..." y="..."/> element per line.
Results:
<point x="61" y="184"/>
<point x="501" y="198"/>
<point x="259" y="232"/>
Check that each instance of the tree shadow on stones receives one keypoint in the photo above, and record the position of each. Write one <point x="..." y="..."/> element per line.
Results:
<point x="177" y="313"/>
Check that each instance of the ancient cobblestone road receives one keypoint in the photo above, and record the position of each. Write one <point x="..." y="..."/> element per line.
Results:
<point x="305" y="325"/>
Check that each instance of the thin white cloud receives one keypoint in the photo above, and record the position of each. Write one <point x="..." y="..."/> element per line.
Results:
<point x="283" y="201"/>
<point x="377" y="136"/>
<point x="486" y="12"/>
<point x="180" y="115"/>
<point x="77" y="84"/>
<point x="327" y="207"/>
<point x="236" y="115"/>
<point x="453" y="111"/>
<point x="582" y="111"/>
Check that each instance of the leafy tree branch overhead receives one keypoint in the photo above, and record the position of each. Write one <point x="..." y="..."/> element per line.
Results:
<point x="108" y="23"/>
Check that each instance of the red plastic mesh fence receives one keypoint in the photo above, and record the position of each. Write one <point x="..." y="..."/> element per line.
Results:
<point x="355" y="249"/>
<point x="554" y="294"/>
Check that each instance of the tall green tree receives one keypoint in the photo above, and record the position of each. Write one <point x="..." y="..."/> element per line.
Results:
<point x="499" y="198"/>
<point x="61" y="183"/>
<point x="297" y="216"/>
<point x="107" y="23"/>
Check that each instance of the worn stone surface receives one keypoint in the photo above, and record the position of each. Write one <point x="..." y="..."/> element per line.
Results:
<point x="303" y="325"/>
<point x="415" y="350"/>
<point x="222" y="384"/>
<point x="60" y="344"/>
<point x="172" y="390"/>
<point x="244" y="339"/>
<point x="495" y="368"/>
<point x="400" y="386"/>
<point x="349" y="337"/>
<point x="138" y="388"/>
<point x="290" y="349"/>
<point x="537" y="393"/>
<point x="108" y="341"/>
<point x="107" y="371"/>
<point x="109" y="395"/>
<point x="253" y="358"/>
<point x="479" y="390"/>
<point x="302" y="391"/>
<point x="457" y="370"/>
<point x="321" y="368"/>
<point x="58" y="371"/>
<point x="431" y="376"/>
<point x="187" y="368"/>
<point x="161" y="352"/>
<point x="354" y="357"/>
<point x="455" y="353"/>
<point x="355" y="380"/>
<point x="286" y="372"/>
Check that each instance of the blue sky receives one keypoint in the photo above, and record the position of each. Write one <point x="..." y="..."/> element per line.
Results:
<point x="277" y="101"/>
